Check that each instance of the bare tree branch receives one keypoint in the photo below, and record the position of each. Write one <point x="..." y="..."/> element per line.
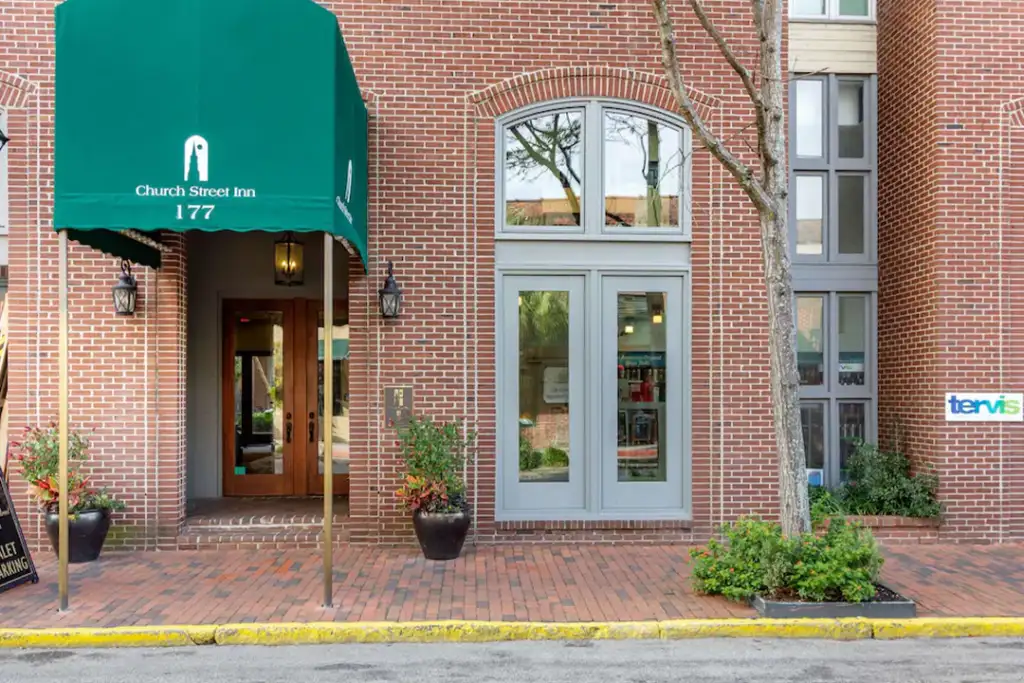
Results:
<point x="744" y="174"/>
<point x="744" y="73"/>
<point x="757" y="7"/>
<point x="769" y="194"/>
<point x="570" y="194"/>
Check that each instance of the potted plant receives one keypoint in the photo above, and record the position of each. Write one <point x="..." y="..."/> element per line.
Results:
<point x="88" y="508"/>
<point x="434" y="489"/>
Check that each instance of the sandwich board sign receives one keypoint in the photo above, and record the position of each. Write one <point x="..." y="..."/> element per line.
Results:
<point x="16" y="566"/>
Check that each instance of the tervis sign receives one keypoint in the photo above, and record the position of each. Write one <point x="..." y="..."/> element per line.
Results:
<point x="197" y="168"/>
<point x="984" y="407"/>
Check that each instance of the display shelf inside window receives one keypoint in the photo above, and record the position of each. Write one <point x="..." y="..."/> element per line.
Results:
<point x="641" y="414"/>
<point x="851" y="369"/>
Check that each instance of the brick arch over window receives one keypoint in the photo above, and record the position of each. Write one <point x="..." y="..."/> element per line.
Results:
<point x="15" y="91"/>
<point x="1015" y="112"/>
<point x="592" y="81"/>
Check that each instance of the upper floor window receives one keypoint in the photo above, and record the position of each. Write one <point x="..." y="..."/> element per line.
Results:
<point x="833" y="168"/>
<point x="593" y="168"/>
<point x="832" y="9"/>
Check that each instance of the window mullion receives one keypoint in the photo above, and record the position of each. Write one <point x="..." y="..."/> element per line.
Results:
<point x="593" y="169"/>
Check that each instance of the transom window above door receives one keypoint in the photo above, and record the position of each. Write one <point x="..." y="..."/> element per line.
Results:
<point x="593" y="169"/>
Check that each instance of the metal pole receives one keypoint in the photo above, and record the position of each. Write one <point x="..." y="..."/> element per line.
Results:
<point x="62" y="419"/>
<point x="328" y="434"/>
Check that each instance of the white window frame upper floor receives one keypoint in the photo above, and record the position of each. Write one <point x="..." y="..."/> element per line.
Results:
<point x="832" y="12"/>
<point x="592" y="199"/>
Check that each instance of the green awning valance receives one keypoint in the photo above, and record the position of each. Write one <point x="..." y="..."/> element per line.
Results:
<point x="238" y="115"/>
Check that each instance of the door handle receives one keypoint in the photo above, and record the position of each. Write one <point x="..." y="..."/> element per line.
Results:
<point x="288" y="428"/>
<point x="312" y="428"/>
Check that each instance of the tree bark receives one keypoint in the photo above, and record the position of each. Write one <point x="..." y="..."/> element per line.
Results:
<point x="769" y="194"/>
<point x="785" y="380"/>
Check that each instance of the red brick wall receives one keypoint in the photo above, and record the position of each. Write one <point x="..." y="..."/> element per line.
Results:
<point x="436" y="75"/>
<point x="946" y="70"/>
<point x="908" y="339"/>
<point x="1012" y="202"/>
<point x="435" y="152"/>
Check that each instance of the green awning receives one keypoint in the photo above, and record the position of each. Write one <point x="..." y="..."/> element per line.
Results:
<point x="339" y="349"/>
<point x="238" y="115"/>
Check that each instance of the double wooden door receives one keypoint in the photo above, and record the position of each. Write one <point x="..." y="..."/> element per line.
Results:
<point x="272" y="397"/>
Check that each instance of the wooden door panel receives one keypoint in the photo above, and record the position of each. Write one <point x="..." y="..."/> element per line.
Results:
<point x="312" y="413"/>
<point x="258" y="398"/>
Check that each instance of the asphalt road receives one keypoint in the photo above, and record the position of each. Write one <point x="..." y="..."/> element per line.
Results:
<point x="809" y="661"/>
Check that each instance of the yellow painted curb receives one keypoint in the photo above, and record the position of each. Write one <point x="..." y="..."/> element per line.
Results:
<point x="949" y="627"/>
<point x="830" y="629"/>
<point x="121" y="636"/>
<point x="429" y="632"/>
<point x="496" y="631"/>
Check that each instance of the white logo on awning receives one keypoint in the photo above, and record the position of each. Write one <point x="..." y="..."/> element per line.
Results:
<point x="197" y="144"/>
<point x="343" y="205"/>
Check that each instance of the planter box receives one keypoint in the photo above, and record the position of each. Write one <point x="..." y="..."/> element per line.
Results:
<point x="896" y="609"/>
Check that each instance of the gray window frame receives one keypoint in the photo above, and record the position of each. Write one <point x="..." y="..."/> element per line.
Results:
<point x="831" y="165"/>
<point x="595" y="252"/>
<point x="546" y="499"/>
<point x="832" y="393"/>
<point x="644" y="263"/>
<point x="593" y="226"/>
<point x="833" y="275"/>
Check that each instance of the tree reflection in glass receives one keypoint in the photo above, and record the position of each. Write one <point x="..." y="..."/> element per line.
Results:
<point x="544" y="386"/>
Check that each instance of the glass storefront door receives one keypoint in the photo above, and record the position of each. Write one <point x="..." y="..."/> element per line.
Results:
<point x="641" y="393"/>
<point x="543" y="393"/>
<point x="592" y="399"/>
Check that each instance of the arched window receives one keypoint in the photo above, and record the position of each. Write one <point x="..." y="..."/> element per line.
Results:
<point x="593" y="168"/>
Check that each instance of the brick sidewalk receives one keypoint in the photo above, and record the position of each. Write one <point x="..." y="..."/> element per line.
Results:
<point x="535" y="583"/>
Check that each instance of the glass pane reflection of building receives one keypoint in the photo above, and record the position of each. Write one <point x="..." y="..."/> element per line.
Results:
<point x="641" y="386"/>
<point x="544" y="448"/>
<point x="259" y="393"/>
<point x="340" y="414"/>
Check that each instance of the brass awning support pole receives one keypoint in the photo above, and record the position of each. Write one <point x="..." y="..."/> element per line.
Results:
<point x="62" y="421"/>
<point x="328" y="435"/>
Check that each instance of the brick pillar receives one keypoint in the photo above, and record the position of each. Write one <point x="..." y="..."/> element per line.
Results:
<point x="168" y="423"/>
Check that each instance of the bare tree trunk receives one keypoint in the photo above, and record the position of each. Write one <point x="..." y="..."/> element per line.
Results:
<point x="769" y="194"/>
<point x="785" y="380"/>
<point x="654" y="171"/>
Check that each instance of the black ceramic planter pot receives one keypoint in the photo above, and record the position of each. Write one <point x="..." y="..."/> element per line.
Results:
<point x="441" y="534"/>
<point x="87" y="531"/>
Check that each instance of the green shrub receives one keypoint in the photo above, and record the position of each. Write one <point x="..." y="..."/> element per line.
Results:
<point x="823" y="504"/>
<point x="529" y="459"/>
<point x="843" y="563"/>
<point x="554" y="457"/>
<point x="263" y="421"/>
<point x="435" y="452"/>
<point x="879" y="482"/>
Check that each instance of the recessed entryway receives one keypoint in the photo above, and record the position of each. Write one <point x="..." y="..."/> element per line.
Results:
<point x="272" y="392"/>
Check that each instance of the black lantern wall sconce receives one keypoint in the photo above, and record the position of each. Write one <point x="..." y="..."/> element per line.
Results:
<point x="390" y="295"/>
<point x="125" y="291"/>
<point x="289" y="270"/>
<point x="3" y="140"/>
